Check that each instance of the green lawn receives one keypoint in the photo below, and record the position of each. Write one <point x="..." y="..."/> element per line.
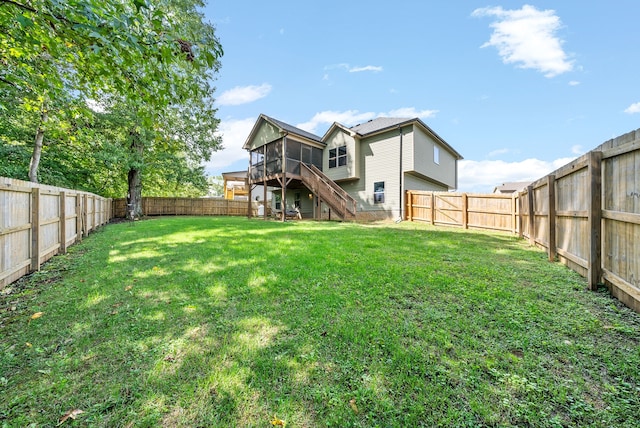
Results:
<point x="230" y="322"/>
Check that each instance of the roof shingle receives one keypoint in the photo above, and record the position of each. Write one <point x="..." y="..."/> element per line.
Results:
<point x="377" y="124"/>
<point x="293" y="129"/>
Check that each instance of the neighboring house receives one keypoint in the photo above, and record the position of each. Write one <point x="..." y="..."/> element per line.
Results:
<point x="358" y="172"/>
<point x="511" y="187"/>
<point x="235" y="185"/>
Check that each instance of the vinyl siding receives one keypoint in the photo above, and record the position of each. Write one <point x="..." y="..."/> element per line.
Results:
<point x="264" y="134"/>
<point x="306" y="204"/>
<point x="422" y="161"/>
<point x="351" y="170"/>
<point x="379" y="161"/>
<point x="411" y="182"/>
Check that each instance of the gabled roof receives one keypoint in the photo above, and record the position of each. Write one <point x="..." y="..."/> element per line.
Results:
<point x="383" y="124"/>
<point x="378" y="124"/>
<point x="292" y="129"/>
<point x="284" y="128"/>
<point x="512" y="186"/>
<point x="335" y="126"/>
<point x="239" y="175"/>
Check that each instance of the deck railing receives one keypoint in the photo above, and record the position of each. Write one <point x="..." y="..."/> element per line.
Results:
<point x="333" y="195"/>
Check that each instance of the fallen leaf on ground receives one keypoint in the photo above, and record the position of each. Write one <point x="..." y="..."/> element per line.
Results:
<point x="277" y="422"/>
<point x="28" y="345"/>
<point x="71" y="414"/>
<point x="128" y="287"/>
<point x="352" y="403"/>
<point x="36" y="315"/>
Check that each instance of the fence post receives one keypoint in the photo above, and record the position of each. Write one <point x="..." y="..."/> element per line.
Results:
<point x="520" y="210"/>
<point x="95" y="212"/>
<point x="595" y="218"/>
<point x="409" y="205"/>
<point x="513" y="213"/>
<point x="532" y="216"/>
<point x="551" y="233"/>
<point x="63" y="222"/>
<point x="35" y="229"/>
<point x="78" y="217"/>
<point x="85" y="215"/>
<point x="433" y="208"/>
<point x="465" y="211"/>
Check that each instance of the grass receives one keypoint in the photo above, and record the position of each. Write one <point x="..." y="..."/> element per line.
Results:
<point x="231" y="322"/>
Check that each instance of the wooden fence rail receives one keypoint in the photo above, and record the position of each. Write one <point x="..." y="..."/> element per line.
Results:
<point x="187" y="206"/>
<point x="466" y="210"/>
<point x="38" y="221"/>
<point x="585" y="214"/>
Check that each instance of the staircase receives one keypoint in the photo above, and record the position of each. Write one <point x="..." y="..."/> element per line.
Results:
<point x="328" y="191"/>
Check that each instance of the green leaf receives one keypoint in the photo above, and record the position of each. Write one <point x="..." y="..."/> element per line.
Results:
<point x="140" y="4"/>
<point x="24" y="21"/>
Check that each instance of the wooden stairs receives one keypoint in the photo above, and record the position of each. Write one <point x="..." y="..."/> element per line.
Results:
<point x="329" y="192"/>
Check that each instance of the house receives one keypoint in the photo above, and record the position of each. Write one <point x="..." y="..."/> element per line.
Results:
<point x="511" y="187"/>
<point x="235" y="185"/>
<point x="359" y="172"/>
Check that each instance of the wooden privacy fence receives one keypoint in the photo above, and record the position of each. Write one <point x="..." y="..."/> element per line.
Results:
<point x="585" y="214"/>
<point x="467" y="210"/>
<point x="187" y="206"/>
<point x="38" y="221"/>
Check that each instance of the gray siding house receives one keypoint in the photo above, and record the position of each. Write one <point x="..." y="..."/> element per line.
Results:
<point x="359" y="172"/>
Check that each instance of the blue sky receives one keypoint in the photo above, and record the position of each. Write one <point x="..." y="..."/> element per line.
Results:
<point x="518" y="89"/>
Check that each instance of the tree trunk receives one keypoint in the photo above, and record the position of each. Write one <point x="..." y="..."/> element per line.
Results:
<point x="37" y="147"/>
<point x="134" y="179"/>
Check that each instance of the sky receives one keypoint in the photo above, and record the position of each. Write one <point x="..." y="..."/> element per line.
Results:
<point x="517" y="88"/>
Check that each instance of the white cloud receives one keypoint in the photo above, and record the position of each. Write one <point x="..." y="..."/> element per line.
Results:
<point x="95" y="105"/>
<point x="526" y="37"/>
<point x="633" y="108"/>
<point x="574" y="83"/>
<point x="350" y="69"/>
<point x="349" y="117"/>
<point x="411" y="112"/>
<point x="234" y="134"/>
<point x="483" y="176"/>
<point x="354" y="117"/>
<point x="577" y="149"/>
<point x="243" y="94"/>
<point x="374" y="68"/>
<point x="498" y="152"/>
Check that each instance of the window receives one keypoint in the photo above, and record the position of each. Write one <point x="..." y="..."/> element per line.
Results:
<point x="436" y="155"/>
<point x="296" y="200"/>
<point x="378" y="192"/>
<point x="278" y="202"/>
<point x="338" y="157"/>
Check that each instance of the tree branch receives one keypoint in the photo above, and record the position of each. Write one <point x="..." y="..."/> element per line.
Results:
<point x="8" y="82"/>
<point x="19" y="5"/>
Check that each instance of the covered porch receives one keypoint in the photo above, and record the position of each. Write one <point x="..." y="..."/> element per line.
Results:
<point x="281" y="164"/>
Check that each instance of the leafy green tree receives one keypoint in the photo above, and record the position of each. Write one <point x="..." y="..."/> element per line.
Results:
<point x="216" y="185"/>
<point x="153" y="59"/>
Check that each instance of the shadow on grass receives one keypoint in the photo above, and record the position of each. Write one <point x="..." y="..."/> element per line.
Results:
<point x="230" y="322"/>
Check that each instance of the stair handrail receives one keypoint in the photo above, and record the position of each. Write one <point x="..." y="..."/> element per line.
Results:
<point x="347" y="203"/>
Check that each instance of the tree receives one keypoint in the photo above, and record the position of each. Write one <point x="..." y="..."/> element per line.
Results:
<point x="216" y="185"/>
<point x="154" y="59"/>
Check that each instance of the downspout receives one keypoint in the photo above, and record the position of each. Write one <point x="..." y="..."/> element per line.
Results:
<point x="400" y="181"/>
